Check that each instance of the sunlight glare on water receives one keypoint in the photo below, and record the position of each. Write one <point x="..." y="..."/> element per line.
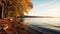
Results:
<point x="53" y="21"/>
<point x="44" y="22"/>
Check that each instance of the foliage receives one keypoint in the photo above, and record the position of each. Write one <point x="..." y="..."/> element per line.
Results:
<point x="18" y="7"/>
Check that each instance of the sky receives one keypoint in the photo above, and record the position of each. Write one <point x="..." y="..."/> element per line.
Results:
<point x="45" y="8"/>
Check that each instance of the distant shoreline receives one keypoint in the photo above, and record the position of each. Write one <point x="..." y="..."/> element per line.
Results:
<point x="36" y="17"/>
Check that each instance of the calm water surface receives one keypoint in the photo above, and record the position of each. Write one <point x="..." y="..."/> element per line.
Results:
<point x="51" y="23"/>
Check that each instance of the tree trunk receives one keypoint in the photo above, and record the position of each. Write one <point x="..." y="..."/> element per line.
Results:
<point x="0" y="12"/>
<point x="22" y="19"/>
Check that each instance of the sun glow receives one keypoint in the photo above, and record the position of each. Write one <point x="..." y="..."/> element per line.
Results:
<point x="51" y="8"/>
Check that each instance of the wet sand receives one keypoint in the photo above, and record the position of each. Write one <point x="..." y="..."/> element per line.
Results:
<point x="43" y="30"/>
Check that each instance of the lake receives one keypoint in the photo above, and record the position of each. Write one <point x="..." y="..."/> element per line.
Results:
<point x="51" y="23"/>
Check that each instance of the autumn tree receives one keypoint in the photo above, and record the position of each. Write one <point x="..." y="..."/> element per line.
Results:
<point x="14" y="8"/>
<point x="18" y="7"/>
